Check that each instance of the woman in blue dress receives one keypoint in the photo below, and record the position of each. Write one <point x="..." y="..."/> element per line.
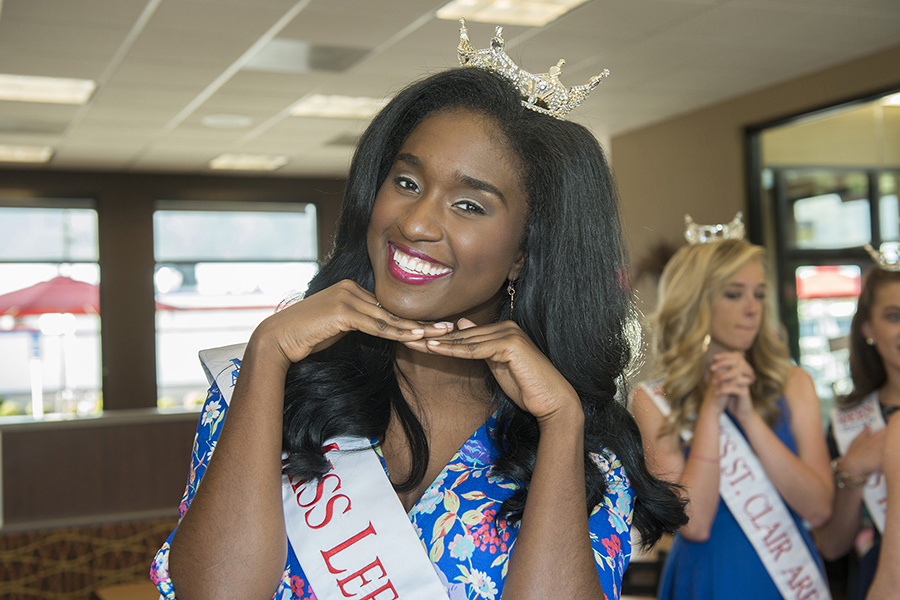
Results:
<point x="719" y="353"/>
<point x="471" y="322"/>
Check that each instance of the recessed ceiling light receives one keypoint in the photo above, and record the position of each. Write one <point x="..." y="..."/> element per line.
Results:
<point x="54" y="90"/>
<point x="338" y="107"/>
<point x="892" y="100"/>
<point x="226" y="121"/>
<point x="248" y="162"/>
<point x="25" y="154"/>
<point x="508" y="12"/>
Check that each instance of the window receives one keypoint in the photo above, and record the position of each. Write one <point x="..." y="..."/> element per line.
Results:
<point x="827" y="216"/>
<point x="49" y="308"/>
<point x="221" y="269"/>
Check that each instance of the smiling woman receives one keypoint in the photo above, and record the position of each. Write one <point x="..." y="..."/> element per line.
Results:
<point x="499" y="445"/>
<point x="451" y="213"/>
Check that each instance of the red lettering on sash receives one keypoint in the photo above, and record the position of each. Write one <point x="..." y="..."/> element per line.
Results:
<point x="329" y="554"/>
<point x="362" y="576"/>
<point x="320" y="488"/>
<point x="803" y="586"/>
<point x="727" y="446"/>
<point x="733" y="469"/>
<point x="767" y="508"/>
<point x="384" y="588"/>
<point x="779" y="544"/>
<point x="329" y="511"/>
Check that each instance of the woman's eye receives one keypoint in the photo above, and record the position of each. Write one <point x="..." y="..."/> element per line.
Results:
<point x="733" y="295"/>
<point x="893" y="317"/>
<point x="760" y="296"/>
<point x="470" y="207"/>
<point x="406" y="183"/>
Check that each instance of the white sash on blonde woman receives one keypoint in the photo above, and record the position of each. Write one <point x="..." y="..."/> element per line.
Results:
<point x="349" y="530"/>
<point x="759" y="510"/>
<point x="849" y="423"/>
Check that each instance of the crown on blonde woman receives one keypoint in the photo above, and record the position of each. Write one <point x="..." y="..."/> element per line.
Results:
<point x="695" y="233"/>
<point x="543" y="92"/>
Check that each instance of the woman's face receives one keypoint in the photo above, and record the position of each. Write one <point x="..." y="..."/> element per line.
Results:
<point x="883" y="325"/>
<point x="737" y="312"/>
<point x="448" y="221"/>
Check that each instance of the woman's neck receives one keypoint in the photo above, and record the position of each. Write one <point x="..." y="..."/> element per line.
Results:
<point x="428" y="378"/>
<point x="889" y="393"/>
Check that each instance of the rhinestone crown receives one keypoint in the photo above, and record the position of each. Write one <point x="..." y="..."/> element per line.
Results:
<point x="695" y="233"/>
<point x="543" y="92"/>
<point x="887" y="257"/>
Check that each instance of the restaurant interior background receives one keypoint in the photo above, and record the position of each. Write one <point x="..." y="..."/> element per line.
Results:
<point x="190" y="188"/>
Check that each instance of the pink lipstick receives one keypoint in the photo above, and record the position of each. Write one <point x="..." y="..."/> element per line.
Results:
<point x="414" y="267"/>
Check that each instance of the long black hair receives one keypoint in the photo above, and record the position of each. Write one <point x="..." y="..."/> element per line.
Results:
<point x="572" y="299"/>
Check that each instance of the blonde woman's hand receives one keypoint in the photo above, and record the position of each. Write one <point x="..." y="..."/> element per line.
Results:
<point x="522" y="370"/>
<point x="731" y="377"/>
<point x="317" y="322"/>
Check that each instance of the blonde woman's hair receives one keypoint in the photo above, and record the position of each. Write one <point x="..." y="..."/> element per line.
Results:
<point x="692" y="281"/>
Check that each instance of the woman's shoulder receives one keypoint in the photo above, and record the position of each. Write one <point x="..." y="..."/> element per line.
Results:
<point x="799" y="387"/>
<point x="649" y="393"/>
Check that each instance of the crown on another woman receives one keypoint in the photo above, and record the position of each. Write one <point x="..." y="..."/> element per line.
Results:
<point x="695" y="233"/>
<point x="887" y="257"/>
<point x="543" y="92"/>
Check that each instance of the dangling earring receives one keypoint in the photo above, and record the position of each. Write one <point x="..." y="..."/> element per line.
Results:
<point x="870" y="341"/>
<point x="705" y="345"/>
<point x="512" y="292"/>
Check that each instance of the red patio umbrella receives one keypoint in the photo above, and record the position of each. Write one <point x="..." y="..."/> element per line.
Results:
<point x="828" y="282"/>
<point x="58" y="295"/>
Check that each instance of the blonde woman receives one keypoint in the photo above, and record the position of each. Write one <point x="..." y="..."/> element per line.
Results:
<point x="738" y="427"/>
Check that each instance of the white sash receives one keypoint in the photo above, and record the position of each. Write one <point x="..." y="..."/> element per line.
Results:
<point x="847" y="424"/>
<point x="759" y="511"/>
<point x="349" y="529"/>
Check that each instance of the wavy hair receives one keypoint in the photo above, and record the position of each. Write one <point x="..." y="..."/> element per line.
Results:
<point x="691" y="283"/>
<point x="570" y="300"/>
<point x="866" y="366"/>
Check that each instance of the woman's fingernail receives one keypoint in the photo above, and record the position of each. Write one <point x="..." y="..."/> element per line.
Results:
<point x="433" y="343"/>
<point x="443" y="325"/>
<point x="418" y="331"/>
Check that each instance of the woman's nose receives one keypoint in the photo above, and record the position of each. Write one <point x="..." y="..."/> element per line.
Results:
<point x="753" y="306"/>
<point x="421" y="220"/>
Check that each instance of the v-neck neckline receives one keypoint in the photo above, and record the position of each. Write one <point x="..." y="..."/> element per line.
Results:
<point x="479" y="433"/>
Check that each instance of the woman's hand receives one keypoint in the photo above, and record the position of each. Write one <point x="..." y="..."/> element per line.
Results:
<point x="730" y="379"/>
<point x="317" y="322"/>
<point x="525" y="374"/>
<point x="865" y="453"/>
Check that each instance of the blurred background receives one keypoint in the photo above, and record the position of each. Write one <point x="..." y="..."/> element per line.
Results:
<point x="171" y="171"/>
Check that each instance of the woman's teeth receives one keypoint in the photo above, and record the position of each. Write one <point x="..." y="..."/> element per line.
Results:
<point x="416" y="265"/>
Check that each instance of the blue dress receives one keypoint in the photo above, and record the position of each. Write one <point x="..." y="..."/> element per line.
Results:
<point x="454" y="519"/>
<point x="726" y="566"/>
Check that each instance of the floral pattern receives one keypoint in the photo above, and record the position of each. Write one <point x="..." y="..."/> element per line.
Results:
<point x="456" y="519"/>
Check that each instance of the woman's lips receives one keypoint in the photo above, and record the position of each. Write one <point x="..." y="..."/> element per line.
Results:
<point x="414" y="268"/>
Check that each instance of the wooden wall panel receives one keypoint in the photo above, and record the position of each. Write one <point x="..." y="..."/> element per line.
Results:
<point x="94" y="469"/>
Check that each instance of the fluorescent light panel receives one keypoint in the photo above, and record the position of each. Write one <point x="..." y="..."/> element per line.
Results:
<point x="338" y="107"/>
<point x="52" y="90"/>
<point x="247" y="162"/>
<point x="25" y="154"/>
<point x="508" y="12"/>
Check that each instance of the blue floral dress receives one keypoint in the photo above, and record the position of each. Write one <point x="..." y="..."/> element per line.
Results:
<point x="454" y="519"/>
